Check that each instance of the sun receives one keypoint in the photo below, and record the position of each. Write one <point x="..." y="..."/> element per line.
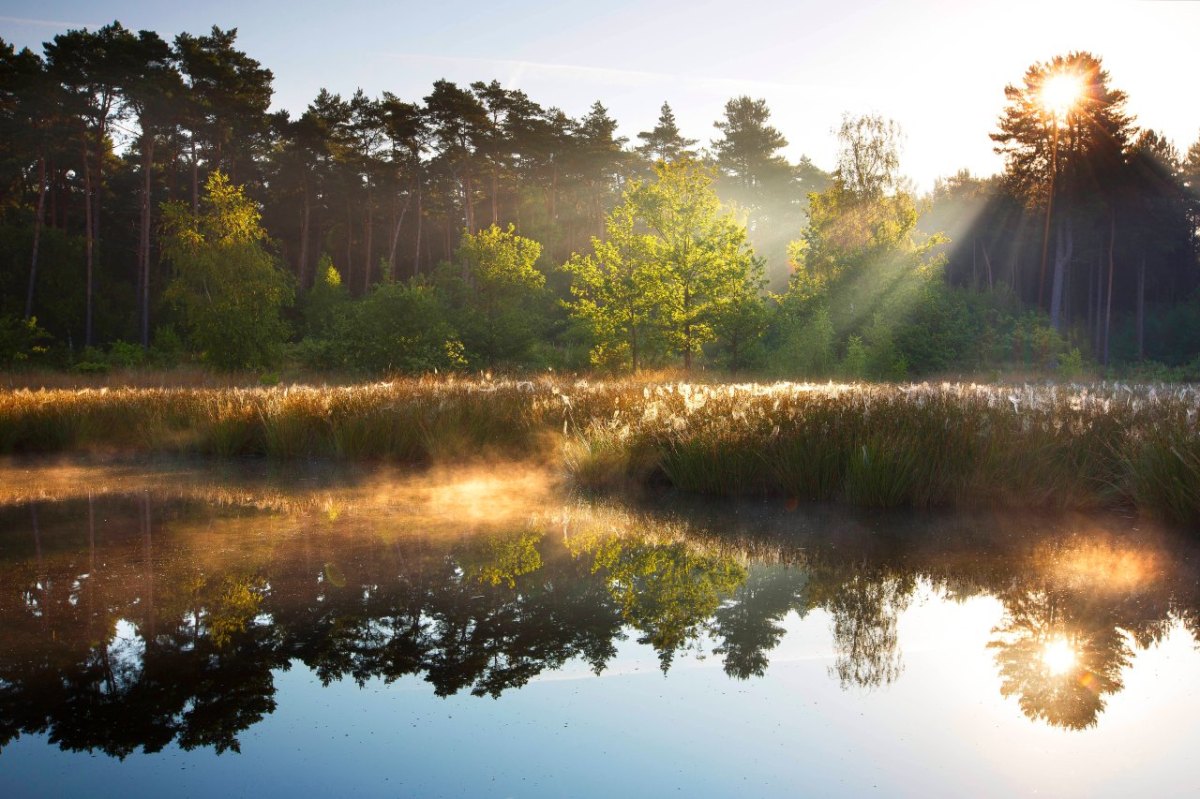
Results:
<point x="1060" y="92"/>
<point x="1058" y="656"/>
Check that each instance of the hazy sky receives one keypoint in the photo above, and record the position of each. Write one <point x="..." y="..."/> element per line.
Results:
<point x="937" y="67"/>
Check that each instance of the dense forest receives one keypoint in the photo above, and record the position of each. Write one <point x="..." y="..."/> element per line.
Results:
<point x="154" y="210"/>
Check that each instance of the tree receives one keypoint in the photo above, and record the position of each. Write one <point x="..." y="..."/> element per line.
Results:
<point x="230" y="93"/>
<point x="868" y="155"/>
<point x="860" y="267"/>
<point x="671" y="263"/>
<point x="228" y="287"/>
<point x="459" y="123"/>
<point x="702" y="255"/>
<point x="1063" y="156"/>
<point x="664" y="142"/>
<point x="752" y="174"/>
<point x="616" y="293"/>
<point x="31" y="114"/>
<point x="748" y="151"/>
<point x="89" y="67"/>
<point x="600" y="161"/>
<point x="503" y="285"/>
<point x="152" y="88"/>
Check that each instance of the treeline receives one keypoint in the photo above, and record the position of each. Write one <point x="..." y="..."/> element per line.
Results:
<point x="152" y="207"/>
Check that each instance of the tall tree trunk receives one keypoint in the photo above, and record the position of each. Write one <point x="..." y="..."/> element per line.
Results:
<point x="1112" y="241"/>
<point x="37" y="232"/>
<point x="633" y="347"/>
<point x="1064" y="247"/>
<point x="1141" y="309"/>
<point x="468" y="201"/>
<point x="305" y="217"/>
<point x="974" y="264"/>
<point x="349" y="246"/>
<point x="88" y="243"/>
<point x="987" y="263"/>
<point x="420" y="226"/>
<point x="195" y="178"/>
<point x="367" y="265"/>
<point x="144" y="244"/>
<point x="391" y="261"/>
<point x="495" y="195"/>
<point x="56" y="181"/>
<point x="687" y="331"/>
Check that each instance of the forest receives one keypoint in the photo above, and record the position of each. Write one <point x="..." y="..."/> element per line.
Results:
<point x="154" y="211"/>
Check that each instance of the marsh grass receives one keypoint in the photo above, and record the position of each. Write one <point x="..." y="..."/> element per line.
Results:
<point x="873" y="445"/>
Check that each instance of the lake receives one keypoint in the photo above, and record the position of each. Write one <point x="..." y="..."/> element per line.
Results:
<point x="194" y="630"/>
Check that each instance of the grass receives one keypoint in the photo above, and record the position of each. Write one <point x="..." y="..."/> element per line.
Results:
<point x="874" y="445"/>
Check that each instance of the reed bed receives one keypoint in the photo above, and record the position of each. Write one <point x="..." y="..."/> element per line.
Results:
<point x="875" y="445"/>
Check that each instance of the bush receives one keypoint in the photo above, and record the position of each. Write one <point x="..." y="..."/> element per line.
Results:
<point x="397" y="327"/>
<point x="21" y="340"/>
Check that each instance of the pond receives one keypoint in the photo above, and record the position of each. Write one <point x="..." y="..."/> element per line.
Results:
<point x="193" y="630"/>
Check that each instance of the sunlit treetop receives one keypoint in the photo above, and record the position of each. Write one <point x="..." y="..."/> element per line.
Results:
<point x="1061" y="91"/>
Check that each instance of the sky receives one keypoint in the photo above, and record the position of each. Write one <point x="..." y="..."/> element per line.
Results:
<point x="937" y="67"/>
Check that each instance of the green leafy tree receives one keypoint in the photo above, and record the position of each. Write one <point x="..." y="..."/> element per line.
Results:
<point x="616" y="293"/>
<point x="325" y="300"/>
<point x="397" y="327"/>
<point x="860" y="265"/>
<point x="228" y="287"/>
<point x="502" y="311"/>
<point x="672" y="265"/>
<point x="701" y="254"/>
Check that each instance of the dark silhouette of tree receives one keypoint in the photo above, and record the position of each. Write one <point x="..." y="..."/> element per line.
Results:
<point x="664" y="142"/>
<point x="1066" y="165"/>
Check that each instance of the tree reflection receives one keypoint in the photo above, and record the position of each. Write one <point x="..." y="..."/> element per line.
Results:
<point x="866" y="608"/>
<point x="749" y="625"/>
<point x="1059" y="655"/>
<point x="168" y="626"/>
<point x="667" y="591"/>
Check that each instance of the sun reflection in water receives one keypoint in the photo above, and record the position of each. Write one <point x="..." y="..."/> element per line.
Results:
<point x="1058" y="656"/>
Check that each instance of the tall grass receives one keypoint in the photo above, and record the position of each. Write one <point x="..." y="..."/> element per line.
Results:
<point x="872" y="445"/>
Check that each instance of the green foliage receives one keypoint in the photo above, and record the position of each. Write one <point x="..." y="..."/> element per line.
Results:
<point x="397" y="327"/>
<point x="616" y="292"/>
<point x="1070" y="366"/>
<point x="805" y="346"/>
<point x="21" y="341"/>
<point x="500" y="309"/>
<point x="228" y="288"/>
<point x="855" y="364"/>
<point x="672" y="270"/>
<point x="324" y="300"/>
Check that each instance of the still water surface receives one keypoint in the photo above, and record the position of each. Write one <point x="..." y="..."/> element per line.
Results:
<point x="187" y="631"/>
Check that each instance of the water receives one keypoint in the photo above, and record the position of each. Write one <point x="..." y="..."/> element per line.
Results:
<point x="197" y="632"/>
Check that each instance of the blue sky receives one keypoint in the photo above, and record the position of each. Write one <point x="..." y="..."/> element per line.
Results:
<point x="937" y="67"/>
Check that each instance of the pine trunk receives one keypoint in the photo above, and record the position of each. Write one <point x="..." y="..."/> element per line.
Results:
<point x="1141" y="310"/>
<point x="88" y="244"/>
<point x="1112" y="241"/>
<point x="37" y="235"/>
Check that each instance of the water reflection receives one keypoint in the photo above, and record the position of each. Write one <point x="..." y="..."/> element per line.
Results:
<point x="132" y="619"/>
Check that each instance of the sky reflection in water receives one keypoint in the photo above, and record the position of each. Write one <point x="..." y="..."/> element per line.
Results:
<point x="200" y="631"/>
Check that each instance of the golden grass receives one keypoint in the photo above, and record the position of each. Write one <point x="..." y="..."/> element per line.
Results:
<point x="867" y="444"/>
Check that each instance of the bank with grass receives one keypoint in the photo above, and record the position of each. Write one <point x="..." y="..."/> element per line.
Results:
<point x="874" y="445"/>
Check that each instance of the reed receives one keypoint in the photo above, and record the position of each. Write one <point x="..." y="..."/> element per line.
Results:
<point x="879" y="445"/>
